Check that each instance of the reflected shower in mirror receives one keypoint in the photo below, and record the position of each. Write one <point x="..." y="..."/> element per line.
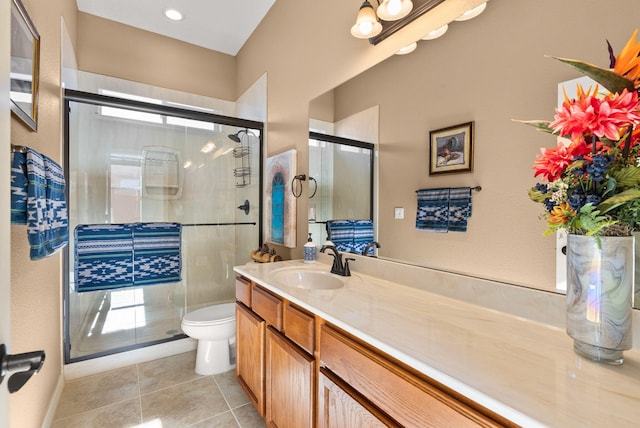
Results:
<point x="343" y="172"/>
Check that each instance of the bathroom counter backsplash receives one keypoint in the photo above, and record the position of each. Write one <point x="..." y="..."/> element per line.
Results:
<point x="519" y="365"/>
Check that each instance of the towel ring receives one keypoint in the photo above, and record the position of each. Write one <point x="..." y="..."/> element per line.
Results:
<point x="300" y="178"/>
<point x="315" y="187"/>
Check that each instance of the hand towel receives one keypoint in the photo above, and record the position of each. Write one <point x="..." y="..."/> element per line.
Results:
<point x="459" y="208"/>
<point x="103" y="256"/>
<point x="340" y="232"/>
<point x="47" y="222"/>
<point x="433" y="210"/>
<point x="156" y="253"/>
<point x="362" y="235"/>
<point x="18" y="188"/>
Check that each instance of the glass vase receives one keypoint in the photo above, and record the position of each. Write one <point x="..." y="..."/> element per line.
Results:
<point x="600" y="281"/>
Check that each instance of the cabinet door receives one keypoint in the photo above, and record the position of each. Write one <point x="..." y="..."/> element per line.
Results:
<point x="290" y="388"/>
<point x="250" y="330"/>
<point x="338" y="407"/>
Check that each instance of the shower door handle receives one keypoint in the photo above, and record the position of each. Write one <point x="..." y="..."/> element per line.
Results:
<point x="24" y="365"/>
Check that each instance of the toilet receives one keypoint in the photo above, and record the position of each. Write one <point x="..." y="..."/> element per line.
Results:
<point x="215" y="329"/>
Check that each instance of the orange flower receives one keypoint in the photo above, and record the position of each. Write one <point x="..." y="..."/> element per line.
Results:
<point x="628" y="61"/>
<point x="560" y="214"/>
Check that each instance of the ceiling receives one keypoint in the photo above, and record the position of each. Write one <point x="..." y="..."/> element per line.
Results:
<point x="220" y="25"/>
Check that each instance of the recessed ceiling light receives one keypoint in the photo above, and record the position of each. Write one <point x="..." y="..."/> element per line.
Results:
<point x="173" y="14"/>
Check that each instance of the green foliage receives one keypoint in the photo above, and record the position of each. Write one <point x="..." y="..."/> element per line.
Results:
<point x="605" y="77"/>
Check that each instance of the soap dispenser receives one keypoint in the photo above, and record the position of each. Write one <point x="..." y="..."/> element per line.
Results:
<point x="310" y="251"/>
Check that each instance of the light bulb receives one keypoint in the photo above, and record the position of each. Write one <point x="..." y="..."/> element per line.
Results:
<point x="392" y="10"/>
<point x="407" y="49"/>
<point x="394" y="7"/>
<point x="436" y="33"/>
<point x="367" y="24"/>
<point x="365" y="27"/>
<point x="472" y="13"/>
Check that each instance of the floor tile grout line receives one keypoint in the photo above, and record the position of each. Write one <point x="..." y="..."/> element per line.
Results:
<point x="95" y="409"/>
<point x="172" y="386"/>
<point x="228" y="404"/>
<point x="139" y="394"/>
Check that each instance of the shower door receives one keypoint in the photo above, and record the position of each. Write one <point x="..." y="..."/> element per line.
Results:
<point x="136" y="163"/>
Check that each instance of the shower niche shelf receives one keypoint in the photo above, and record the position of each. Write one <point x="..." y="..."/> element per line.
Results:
<point x="161" y="173"/>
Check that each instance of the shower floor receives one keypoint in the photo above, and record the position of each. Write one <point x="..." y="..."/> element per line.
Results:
<point x="123" y="318"/>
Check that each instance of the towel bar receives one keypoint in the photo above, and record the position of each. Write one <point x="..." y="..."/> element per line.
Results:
<point x="475" y="189"/>
<point x="18" y="149"/>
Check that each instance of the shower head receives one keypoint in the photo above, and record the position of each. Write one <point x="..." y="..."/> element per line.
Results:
<point x="236" y="137"/>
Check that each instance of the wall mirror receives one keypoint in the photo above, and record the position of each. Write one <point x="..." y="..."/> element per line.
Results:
<point x="340" y="181"/>
<point x="25" y="64"/>
<point x="433" y="88"/>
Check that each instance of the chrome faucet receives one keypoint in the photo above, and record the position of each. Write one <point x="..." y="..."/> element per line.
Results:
<point x="365" y="252"/>
<point x="338" y="267"/>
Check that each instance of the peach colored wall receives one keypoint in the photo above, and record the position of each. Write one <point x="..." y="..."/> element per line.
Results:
<point x="117" y="50"/>
<point x="36" y="294"/>
<point x="5" y="205"/>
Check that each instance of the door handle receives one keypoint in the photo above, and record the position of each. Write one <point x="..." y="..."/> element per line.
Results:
<point x="24" y="365"/>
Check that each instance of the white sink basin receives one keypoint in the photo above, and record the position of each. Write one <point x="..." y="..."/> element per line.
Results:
<point x="307" y="279"/>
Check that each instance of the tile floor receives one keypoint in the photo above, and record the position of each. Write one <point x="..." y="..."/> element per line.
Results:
<point x="164" y="393"/>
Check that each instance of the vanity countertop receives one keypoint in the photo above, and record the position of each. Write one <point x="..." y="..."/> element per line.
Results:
<point x="523" y="370"/>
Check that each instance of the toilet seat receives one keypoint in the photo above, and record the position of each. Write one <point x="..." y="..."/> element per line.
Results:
<point x="211" y="315"/>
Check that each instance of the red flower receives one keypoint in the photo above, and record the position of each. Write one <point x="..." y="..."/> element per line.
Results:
<point x="590" y="115"/>
<point x="551" y="163"/>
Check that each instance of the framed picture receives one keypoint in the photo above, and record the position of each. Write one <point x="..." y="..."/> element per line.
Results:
<point x="280" y="201"/>
<point x="25" y="66"/>
<point x="451" y="149"/>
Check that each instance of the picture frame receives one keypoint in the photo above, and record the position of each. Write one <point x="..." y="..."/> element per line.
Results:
<point x="281" y="215"/>
<point x="25" y="66"/>
<point x="451" y="149"/>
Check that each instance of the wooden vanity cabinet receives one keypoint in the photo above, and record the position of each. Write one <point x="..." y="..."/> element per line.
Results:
<point x="290" y="386"/>
<point x="279" y="377"/>
<point x="250" y="345"/>
<point x="402" y="397"/>
<point x="339" y="405"/>
<point x="300" y="371"/>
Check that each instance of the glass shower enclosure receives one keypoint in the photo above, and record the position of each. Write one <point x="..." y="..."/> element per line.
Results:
<point x="137" y="162"/>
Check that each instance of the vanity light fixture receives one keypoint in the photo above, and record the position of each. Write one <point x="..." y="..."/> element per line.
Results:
<point x="438" y="32"/>
<point x="173" y="14"/>
<point x="407" y="49"/>
<point x="392" y="10"/>
<point x="367" y="24"/>
<point x="472" y="13"/>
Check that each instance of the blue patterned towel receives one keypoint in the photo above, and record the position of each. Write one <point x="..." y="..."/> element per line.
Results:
<point x="18" y="188"/>
<point x="103" y="256"/>
<point x="459" y="208"/>
<point x="156" y="257"/>
<point x="111" y="256"/>
<point x="362" y="235"/>
<point x="47" y="222"/>
<point x="433" y="210"/>
<point x="340" y="232"/>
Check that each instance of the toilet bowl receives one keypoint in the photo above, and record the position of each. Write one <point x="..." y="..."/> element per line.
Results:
<point x="215" y="329"/>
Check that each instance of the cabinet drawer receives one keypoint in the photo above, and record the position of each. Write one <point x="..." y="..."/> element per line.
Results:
<point x="267" y="305"/>
<point x="404" y="397"/>
<point x="299" y="326"/>
<point x="243" y="290"/>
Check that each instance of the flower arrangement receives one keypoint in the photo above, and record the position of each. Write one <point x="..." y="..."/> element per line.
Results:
<point x="592" y="177"/>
